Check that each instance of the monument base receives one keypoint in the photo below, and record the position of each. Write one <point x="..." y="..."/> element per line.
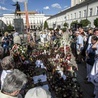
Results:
<point x="18" y="25"/>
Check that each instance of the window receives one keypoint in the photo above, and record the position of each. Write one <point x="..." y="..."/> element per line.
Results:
<point x="91" y="10"/>
<point x="75" y="15"/>
<point x="65" y="17"/>
<point x="97" y="10"/>
<point x="68" y="17"/>
<point x="71" y="16"/>
<point x="84" y="13"/>
<point x="79" y="14"/>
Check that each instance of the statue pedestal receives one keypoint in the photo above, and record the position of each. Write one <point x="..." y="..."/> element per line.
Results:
<point x="19" y="25"/>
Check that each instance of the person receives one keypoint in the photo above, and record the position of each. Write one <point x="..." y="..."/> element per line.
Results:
<point x="13" y="84"/>
<point x="38" y="92"/>
<point x="7" y="65"/>
<point x="15" y="33"/>
<point x="90" y="54"/>
<point x="1" y="52"/>
<point x="16" y="39"/>
<point x="1" y="57"/>
<point x="90" y="34"/>
<point x="10" y="40"/>
<point x="79" y="45"/>
<point x="5" y="43"/>
<point x="33" y="35"/>
<point x="29" y="37"/>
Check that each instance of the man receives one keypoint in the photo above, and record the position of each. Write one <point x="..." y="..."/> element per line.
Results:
<point x="79" y="45"/>
<point x="7" y="65"/>
<point x="96" y="32"/>
<point x="13" y="84"/>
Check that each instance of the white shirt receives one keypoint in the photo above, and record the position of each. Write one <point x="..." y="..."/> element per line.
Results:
<point x="3" y="76"/>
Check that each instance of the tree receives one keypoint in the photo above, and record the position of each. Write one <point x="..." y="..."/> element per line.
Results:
<point x="65" y="25"/>
<point x="74" y="22"/>
<point x="96" y="22"/>
<point x="85" y="22"/>
<point x="10" y="28"/>
<point x="45" y="25"/>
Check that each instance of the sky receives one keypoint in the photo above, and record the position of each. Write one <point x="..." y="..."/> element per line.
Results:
<point x="48" y="7"/>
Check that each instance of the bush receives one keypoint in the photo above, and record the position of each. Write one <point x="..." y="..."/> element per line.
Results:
<point x="63" y="29"/>
<point x="51" y="29"/>
<point x="96" y="22"/>
<point x="85" y="22"/>
<point x="9" y="28"/>
<point x="74" y="22"/>
<point x="65" y="24"/>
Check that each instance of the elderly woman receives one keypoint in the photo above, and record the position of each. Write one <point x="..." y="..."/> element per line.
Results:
<point x="7" y="65"/>
<point x="13" y="83"/>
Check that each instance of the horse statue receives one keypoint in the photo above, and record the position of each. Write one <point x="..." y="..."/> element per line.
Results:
<point x="17" y="9"/>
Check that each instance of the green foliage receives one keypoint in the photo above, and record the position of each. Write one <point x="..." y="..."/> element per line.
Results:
<point x="10" y="28"/>
<point x="63" y="29"/>
<point x="96" y="22"/>
<point x="85" y="22"/>
<point x="65" y="24"/>
<point x="51" y="29"/>
<point x="74" y="22"/>
<point x="45" y="25"/>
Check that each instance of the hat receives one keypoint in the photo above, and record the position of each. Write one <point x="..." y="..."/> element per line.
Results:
<point x="38" y="92"/>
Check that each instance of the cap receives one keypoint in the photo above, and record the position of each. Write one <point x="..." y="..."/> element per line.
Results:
<point x="38" y="92"/>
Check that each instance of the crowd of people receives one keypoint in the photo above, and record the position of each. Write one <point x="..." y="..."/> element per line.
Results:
<point x="39" y="68"/>
<point x="26" y="70"/>
<point x="86" y="50"/>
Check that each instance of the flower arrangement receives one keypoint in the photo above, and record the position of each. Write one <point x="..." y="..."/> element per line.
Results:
<point x="19" y="50"/>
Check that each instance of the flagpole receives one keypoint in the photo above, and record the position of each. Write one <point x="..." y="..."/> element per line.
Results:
<point x="27" y="19"/>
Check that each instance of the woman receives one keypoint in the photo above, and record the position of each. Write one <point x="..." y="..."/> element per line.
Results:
<point x="90" y="55"/>
<point x="5" y="43"/>
<point x="94" y="71"/>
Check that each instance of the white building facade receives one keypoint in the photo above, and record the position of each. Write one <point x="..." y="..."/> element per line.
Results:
<point x="35" y="20"/>
<point x="87" y="9"/>
<point x="75" y="2"/>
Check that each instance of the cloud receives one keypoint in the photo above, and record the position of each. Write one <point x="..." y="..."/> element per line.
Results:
<point x="46" y="8"/>
<point x="5" y="9"/>
<point x="20" y="0"/>
<point x="65" y="6"/>
<point x="56" y="5"/>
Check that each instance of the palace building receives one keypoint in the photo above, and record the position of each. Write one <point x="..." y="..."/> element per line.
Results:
<point x="79" y="10"/>
<point x="35" y="20"/>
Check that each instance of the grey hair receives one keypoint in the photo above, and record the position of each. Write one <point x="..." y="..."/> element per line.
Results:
<point x="7" y="63"/>
<point x="14" y="81"/>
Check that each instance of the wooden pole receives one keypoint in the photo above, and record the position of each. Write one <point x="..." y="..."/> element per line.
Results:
<point x="27" y="19"/>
